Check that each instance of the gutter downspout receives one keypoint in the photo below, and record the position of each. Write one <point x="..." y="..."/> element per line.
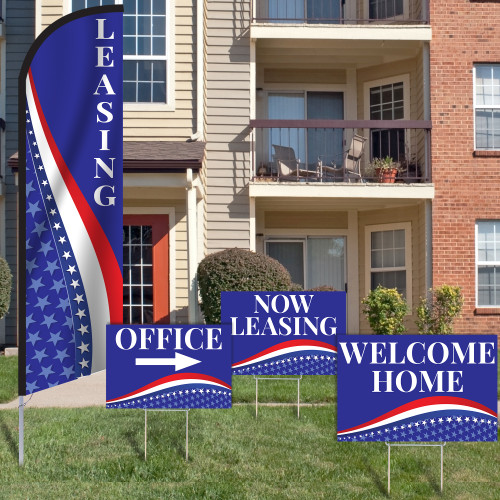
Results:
<point x="192" y="247"/>
<point x="200" y="95"/>
<point x="428" y="156"/>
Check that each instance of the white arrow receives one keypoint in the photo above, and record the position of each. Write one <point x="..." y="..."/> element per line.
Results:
<point x="180" y="361"/>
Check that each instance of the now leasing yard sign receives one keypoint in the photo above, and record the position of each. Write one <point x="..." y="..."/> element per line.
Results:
<point x="284" y="333"/>
<point x="417" y="388"/>
<point x="181" y="366"/>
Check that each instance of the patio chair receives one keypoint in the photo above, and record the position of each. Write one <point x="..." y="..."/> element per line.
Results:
<point x="351" y="161"/>
<point x="289" y="165"/>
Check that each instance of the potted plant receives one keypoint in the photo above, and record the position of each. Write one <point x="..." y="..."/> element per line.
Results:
<point x="384" y="169"/>
<point x="385" y="310"/>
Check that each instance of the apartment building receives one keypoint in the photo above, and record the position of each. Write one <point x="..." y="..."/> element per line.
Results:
<point x="465" y="100"/>
<point x="254" y="124"/>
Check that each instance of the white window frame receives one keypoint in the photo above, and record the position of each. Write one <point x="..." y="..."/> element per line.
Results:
<point x="367" y="86"/>
<point x="491" y="263"/>
<point x="476" y="107"/>
<point x="169" y="59"/>
<point x="408" y="254"/>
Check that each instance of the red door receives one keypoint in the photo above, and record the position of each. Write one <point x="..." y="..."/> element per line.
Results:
<point x="145" y="269"/>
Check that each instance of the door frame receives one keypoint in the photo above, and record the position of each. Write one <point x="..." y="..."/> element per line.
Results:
<point x="171" y="263"/>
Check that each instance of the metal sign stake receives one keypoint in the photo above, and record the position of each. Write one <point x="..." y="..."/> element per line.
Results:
<point x="165" y="409"/>
<point x="257" y="378"/>
<point x="441" y="445"/>
<point x="21" y="430"/>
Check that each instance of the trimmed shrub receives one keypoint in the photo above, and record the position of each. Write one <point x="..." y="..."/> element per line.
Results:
<point x="322" y="288"/>
<point x="237" y="270"/>
<point x="385" y="309"/>
<point x="437" y="313"/>
<point x="5" y="287"/>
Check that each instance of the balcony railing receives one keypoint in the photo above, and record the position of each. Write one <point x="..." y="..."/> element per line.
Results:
<point x="340" y="150"/>
<point x="341" y="12"/>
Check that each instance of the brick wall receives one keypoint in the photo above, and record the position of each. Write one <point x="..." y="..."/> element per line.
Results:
<point x="467" y="187"/>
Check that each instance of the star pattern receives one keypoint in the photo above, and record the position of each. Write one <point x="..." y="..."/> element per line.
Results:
<point x="436" y="426"/>
<point x="182" y="396"/>
<point x="55" y="318"/>
<point x="298" y="363"/>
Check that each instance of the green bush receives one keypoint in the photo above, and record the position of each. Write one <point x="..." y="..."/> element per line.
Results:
<point x="385" y="309"/>
<point x="237" y="270"/>
<point x="5" y="287"/>
<point x="437" y="312"/>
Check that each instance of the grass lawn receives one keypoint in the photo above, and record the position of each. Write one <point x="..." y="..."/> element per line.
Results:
<point x="8" y="378"/>
<point x="99" y="454"/>
<point x="94" y="452"/>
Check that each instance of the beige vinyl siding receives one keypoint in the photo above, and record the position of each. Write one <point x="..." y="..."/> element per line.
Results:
<point x="227" y="118"/>
<point x="51" y="10"/>
<point x="181" y="254"/>
<point x="304" y="220"/>
<point x="416" y="215"/>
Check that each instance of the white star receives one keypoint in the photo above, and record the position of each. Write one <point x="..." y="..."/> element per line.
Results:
<point x="474" y="419"/>
<point x="482" y="420"/>
<point x="48" y="197"/>
<point x="27" y="121"/>
<point x="74" y="283"/>
<point x="83" y="329"/>
<point x="79" y="298"/>
<point x="53" y="212"/>
<point x="448" y="419"/>
<point x="34" y="144"/>
<point x="84" y="363"/>
<point x="467" y="419"/>
<point x="459" y="419"/>
<point x="62" y="239"/>
<point x="440" y="420"/>
<point x="40" y="167"/>
<point x="44" y="183"/>
<point x="80" y="313"/>
<point x="424" y="422"/>
<point x="431" y="420"/>
<point x="71" y="270"/>
<point x="31" y="132"/>
<point x="83" y="348"/>
<point x="57" y="226"/>
<point x="416" y="424"/>
<point x="66" y="255"/>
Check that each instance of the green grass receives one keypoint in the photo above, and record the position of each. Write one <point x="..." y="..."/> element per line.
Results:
<point x="99" y="453"/>
<point x="8" y="378"/>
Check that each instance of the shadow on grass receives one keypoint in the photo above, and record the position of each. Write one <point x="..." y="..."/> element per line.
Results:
<point x="379" y="483"/>
<point x="133" y="440"/>
<point x="430" y="474"/>
<point x="9" y="438"/>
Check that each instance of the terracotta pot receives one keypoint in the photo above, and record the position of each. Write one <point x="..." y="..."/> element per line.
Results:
<point x="386" y="176"/>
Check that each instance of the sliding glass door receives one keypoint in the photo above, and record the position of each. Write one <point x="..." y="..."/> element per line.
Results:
<point x="312" y="261"/>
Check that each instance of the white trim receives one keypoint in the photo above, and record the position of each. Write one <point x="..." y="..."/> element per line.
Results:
<point x="170" y="211"/>
<point x="352" y="278"/>
<point x="38" y="18"/>
<point x="408" y="256"/>
<point x="405" y="78"/>
<point x="477" y="263"/>
<point x="474" y="102"/>
<point x="169" y="59"/>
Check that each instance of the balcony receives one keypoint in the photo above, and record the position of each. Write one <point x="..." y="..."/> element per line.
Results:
<point x="360" y="12"/>
<point x="338" y="20"/>
<point x="314" y="152"/>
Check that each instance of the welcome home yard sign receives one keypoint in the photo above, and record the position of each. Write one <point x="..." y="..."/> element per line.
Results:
<point x="284" y="333"/>
<point x="415" y="388"/>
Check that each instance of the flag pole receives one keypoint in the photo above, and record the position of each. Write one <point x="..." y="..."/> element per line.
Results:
<point x="21" y="431"/>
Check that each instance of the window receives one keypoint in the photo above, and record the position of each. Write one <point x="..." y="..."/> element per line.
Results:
<point x="145" y="269"/>
<point x="311" y="261"/>
<point x="387" y="103"/>
<point x="388" y="257"/>
<point x="385" y="9"/>
<point x="487" y="106"/>
<point x="308" y="144"/>
<point x="146" y="48"/>
<point x="488" y="263"/>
